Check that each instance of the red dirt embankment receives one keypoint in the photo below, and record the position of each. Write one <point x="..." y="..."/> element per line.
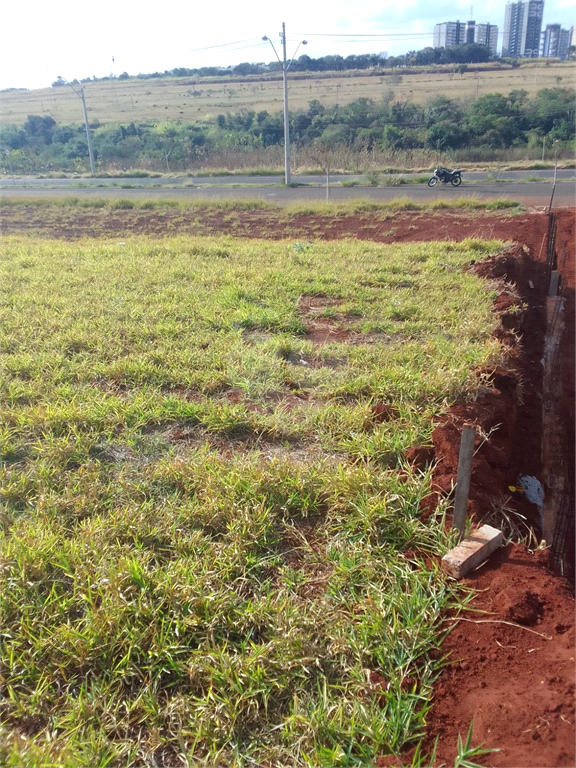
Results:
<point x="513" y="676"/>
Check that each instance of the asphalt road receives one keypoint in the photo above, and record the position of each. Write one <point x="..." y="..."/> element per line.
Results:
<point x="314" y="180"/>
<point x="162" y="181"/>
<point x="313" y="188"/>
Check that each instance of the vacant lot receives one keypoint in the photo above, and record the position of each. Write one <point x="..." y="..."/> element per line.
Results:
<point x="197" y="99"/>
<point x="207" y="526"/>
<point x="219" y="544"/>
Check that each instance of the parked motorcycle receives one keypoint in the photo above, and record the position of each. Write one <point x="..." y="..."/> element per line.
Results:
<point x="445" y="176"/>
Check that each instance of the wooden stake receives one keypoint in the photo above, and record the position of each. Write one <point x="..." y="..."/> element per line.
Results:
<point x="463" y="478"/>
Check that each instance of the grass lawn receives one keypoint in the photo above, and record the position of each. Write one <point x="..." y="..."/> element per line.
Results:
<point x="212" y="552"/>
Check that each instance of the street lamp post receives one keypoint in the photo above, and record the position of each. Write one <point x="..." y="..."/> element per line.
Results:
<point x="80" y="94"/>
<point x="285" y="67"/>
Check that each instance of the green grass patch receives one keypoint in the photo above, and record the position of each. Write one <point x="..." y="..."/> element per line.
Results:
<point x="358" y="205"/>
<point x="209" y="553"/>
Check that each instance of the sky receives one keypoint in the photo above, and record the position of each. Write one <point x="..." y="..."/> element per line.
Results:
<point x="72" y="39"/>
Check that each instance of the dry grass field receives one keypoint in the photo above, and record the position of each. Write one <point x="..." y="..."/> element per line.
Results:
<point x="202" y="99"/>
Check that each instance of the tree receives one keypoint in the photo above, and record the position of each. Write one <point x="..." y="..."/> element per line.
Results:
<point x="445" y="135"/>
<point x="246" y="69"/>
<point x="270" y="130"/>
<point x="440" y="108"/>
<point x="391" y="138"/>
<point x="62" y="134"/>
<point x="12" y="137"/>
<point x="551" y="105"/>
<point x="39" y="129"/>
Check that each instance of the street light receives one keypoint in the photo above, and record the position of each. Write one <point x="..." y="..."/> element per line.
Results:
<point x="80" y="94"/>
<point x="285" y="68"/>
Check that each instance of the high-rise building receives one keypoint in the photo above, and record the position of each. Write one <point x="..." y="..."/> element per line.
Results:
<point x="522" y="27"/>
<point x="554" y="42"/>
<point x="487" y="34"/>
<point x="451" y="33"/>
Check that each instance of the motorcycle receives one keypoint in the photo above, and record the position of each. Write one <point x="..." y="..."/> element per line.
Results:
<point x="445" y="176"/>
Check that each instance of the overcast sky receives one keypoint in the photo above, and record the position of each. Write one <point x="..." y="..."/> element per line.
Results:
<point x="42" y="40"/>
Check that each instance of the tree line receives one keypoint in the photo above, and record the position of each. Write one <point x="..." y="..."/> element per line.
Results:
<point x="468" y="53"/>
<point x="493" y="121"/>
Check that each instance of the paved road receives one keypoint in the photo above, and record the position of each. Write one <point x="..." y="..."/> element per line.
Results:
<point x="528" y="193"/>
<point x="226" y="181"/>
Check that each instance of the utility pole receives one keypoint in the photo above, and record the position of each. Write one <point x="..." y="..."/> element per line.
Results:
<point x="286" y="114"/>
<point x="80" y="94"/>
<point x="285" y="68"/>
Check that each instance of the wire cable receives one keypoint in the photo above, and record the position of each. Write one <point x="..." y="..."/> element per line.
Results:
<point x="226" y="45"/>
<point x="374" y="35"/>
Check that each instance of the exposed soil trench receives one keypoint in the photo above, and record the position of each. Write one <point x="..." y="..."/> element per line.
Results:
<point x="515" y="681"/>
<point x="512" y="674"/>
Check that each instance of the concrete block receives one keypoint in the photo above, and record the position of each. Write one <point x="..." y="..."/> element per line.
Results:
<point x="472" y="551"/>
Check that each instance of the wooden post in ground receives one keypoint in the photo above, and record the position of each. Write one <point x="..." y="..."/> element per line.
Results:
<point x="463" y="478"/>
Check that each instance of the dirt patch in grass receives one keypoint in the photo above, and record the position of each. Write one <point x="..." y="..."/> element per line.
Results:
<point x="269" y="401"/>
<point x="72" y="222"/>
<point x="325" y="330"/>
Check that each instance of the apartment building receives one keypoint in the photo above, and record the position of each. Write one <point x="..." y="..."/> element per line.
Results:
<point x="554" y="42"/>
<point x="450" y="33"/>
<point x="522" y="28"/>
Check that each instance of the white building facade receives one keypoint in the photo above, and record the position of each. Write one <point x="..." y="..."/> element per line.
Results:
<point x="450" y="33"/>
<point x="487" y="34"/>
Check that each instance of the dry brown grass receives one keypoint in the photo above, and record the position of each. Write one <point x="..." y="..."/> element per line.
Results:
<point x="202" y="99"/>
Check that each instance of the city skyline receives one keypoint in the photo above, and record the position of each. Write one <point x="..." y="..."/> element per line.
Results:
<point x="522" y="34"/>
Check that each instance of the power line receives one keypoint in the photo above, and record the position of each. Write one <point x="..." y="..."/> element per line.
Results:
<point x="354" y="40"/>
<point x="244" y="47"/>
<point x="226" y="45"/>
<point x="374" y="35"/>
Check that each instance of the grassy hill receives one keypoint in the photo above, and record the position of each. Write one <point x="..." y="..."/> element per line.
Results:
<point x="202" y="99"/>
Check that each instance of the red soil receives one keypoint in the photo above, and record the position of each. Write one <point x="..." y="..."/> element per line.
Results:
<point x="516" y="686"/>
<point x="515" y="680"/>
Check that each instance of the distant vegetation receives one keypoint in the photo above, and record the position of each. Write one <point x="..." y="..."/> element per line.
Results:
<point x="491" y="123"/>
<point x="458" y="54"/>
